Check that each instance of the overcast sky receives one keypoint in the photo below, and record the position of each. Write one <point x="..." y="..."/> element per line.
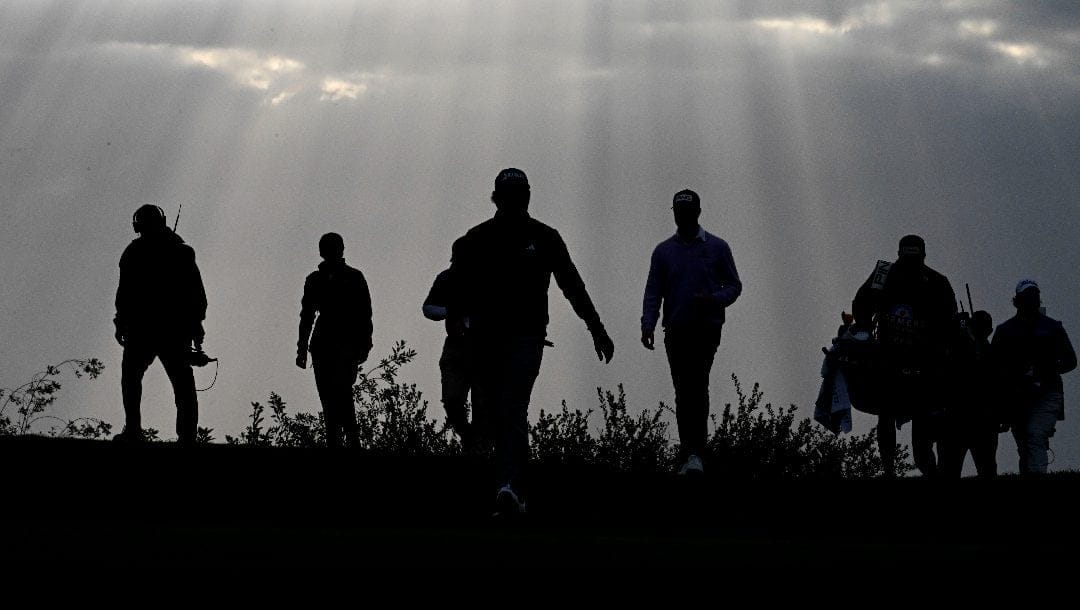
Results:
<point x="817" y="134"/>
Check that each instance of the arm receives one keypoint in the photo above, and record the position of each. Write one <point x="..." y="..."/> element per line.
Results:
<point x="573" y="287"/>
<point x="307" y="320"/>
<point x="654" y="297"/>
<point x="1066" y="356"/>
<point x="435" y="305"/>
<point x="120" y="320"/>
<point x="948" y="304"/>
<point x="434" y="312"/>
<point x="948" y="325"/>
<point x="730" y="285"/>
<point x="998" y="368"/>
<point x="197" y="302"/>
<point x="367" y="327"/>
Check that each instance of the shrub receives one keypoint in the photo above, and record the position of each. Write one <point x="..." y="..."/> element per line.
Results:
<point x="32" y="399"/>
<point x="753" y="439"/>
<point x="563" y="438"/>
<point x="756" y="440"/>
<point x="391" y="416"/>
<point x="633" y="444"/>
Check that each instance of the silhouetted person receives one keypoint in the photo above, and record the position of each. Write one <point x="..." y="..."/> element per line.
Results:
<point x="443" y="303"/>
<point x="339" y="295"/>
<point x="160" y="308"/>
<point x="692" y="274"/>
<point x="504" y="267"/>
<point x="912" y="310"/>
<point x="972" y="419"/>
<point x="1032" y="351"/>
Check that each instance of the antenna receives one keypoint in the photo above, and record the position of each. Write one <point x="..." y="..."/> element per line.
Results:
<point x="177" y="222"/>
<point x="967" y="287"/>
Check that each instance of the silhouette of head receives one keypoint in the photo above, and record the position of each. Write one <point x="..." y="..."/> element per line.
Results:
<point x="148" y="218"/>
<point x="982" y="324"/>
<point x="912" y="250"/>
<point x="511" y="190"/>
<point x="687" y="208"/>
<point x="331" y="246"/>
<point x="1028" y="299"/>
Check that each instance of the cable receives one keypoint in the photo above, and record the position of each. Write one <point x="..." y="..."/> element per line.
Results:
<point x="217" y="365"/>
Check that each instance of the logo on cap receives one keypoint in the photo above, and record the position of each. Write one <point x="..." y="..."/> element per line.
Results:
<point x="511" y="176"/>
<point x="686" y="196"/>
<point x="1025" y="285"/>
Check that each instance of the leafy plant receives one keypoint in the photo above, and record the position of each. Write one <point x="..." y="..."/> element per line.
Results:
<point x="563" y="438"/>
<point x="391" y="416"/>
<point x="751" y="439"/>
<point x="756" y="440"/>
<point x="633" y="444"/>
<point x="32" y="399"/>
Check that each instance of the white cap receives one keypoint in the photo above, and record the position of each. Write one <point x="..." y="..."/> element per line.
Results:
<point x="1025" y="284"/>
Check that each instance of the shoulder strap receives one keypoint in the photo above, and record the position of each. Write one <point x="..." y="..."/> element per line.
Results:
<point x="881" y="273"/>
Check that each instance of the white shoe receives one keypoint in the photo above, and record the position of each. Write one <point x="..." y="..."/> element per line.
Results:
<point x="507" y="502"/>
<point x="693" y="466"/>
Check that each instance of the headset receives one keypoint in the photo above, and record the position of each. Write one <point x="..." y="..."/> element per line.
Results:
<point x="147" y="223"/>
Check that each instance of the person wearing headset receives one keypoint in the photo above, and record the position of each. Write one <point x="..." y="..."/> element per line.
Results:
<point x="160" y="308"/>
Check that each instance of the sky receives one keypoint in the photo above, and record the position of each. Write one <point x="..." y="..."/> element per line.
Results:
<point x="816" y="133"/>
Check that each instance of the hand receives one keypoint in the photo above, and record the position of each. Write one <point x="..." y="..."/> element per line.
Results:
<point x="605" y="348"/>
<point x="648" y="339"/>
<point x="198" y="335"/>
<point x="120" y="338"/>
<point x="301" y="360"/>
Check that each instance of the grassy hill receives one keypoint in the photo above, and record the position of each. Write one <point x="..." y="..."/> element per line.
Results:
<point x="75" y="502"/>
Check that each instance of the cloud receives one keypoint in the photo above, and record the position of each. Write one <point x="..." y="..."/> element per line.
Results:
<point x="337" y="89"/>
<point x="880" y="14"/>
<point x="802" y="24"/>
<point x="959" y="34"/>
<point x="246" y="67"/>
<point x="280" y="78"/>
<point x="1022" y="53"/>
<point x="977" y="27"/>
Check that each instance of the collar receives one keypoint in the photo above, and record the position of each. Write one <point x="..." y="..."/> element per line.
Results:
<point x="336" y="264"/>
<point x="699" y="237"/>
<point x="511" y="215"/>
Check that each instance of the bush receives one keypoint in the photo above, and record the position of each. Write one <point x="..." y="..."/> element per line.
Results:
<point x="750" y="440"/>
<point x="756" y="440"/>
<point x="633" y="444"/>
<point x="391" y="416"/>
<point x="563" y="438"/>
<point x="33" y="398"/>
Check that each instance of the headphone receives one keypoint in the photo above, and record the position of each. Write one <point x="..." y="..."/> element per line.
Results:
<point x="147" y="223"/>
<point x="1016" y="299"/>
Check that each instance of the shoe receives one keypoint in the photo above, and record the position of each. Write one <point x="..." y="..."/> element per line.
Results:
<point x="128" y="436"/>
<point x="507" y="503"/>
<point x="693" y="466"/>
